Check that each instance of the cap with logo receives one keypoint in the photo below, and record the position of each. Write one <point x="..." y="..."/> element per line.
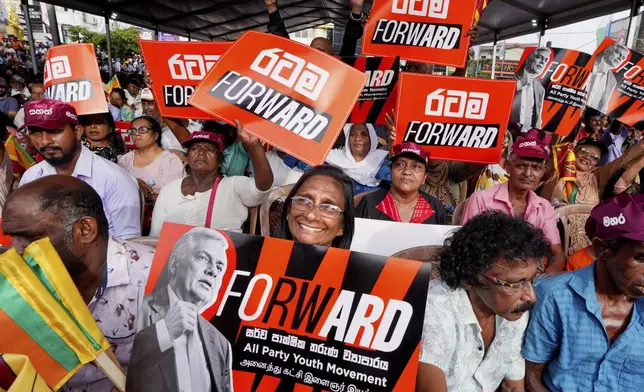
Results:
<point x="410" y="148"/>
<point x="532" y="145"/>
<point x="146" y="95"/>
<point x="204" y="136"/>
<point x="49" y="114"/>
<point x="619" y="217"/>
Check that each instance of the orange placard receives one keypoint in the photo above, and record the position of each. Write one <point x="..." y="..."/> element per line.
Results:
<point x="459" y="119"/>
<point x="177" y="68"/>
<point x="291" y="95"/>
<point x="431" y="31"/>
<point x="72" y="75"/>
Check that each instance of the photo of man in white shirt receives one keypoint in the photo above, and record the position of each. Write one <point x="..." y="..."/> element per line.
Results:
<point x="530" y="94"/>
<point x="602" y="81"/>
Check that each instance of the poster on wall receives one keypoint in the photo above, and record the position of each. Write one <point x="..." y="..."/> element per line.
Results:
<point x="251" y="313"/>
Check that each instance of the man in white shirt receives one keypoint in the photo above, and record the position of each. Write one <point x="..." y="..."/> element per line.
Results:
<point x="108" y="272"/>
<point x="476" y="314"/>
<point x="173" y="133"/>
<point x="175" y="345"/>
<point x="602" y="81"/>
<point x="528" y="101"/>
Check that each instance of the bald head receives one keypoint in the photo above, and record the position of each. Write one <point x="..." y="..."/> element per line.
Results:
<point x="323" y="45"/>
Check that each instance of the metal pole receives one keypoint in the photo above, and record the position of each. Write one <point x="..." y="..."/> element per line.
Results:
<point x="53" y="24"/>
<point x="189" y="36"/>
<point x="635" y="6"/>
<point x="493" y="71"/>
<point x="30" y="36"/>
<point x="542" y="31"/>
<point x="156" y="32"/>
<point x="108" y="41"/>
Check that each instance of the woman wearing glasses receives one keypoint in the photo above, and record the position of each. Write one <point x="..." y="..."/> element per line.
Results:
<point x="100" y="136"/>
<point x="319" y="209"/>
<point x="207" y="198"/>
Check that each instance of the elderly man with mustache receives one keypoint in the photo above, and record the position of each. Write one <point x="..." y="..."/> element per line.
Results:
<point x="53" y="128"/>
<point x="476" y="314"/>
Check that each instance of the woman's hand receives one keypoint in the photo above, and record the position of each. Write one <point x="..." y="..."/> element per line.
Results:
<point x="248" y="140"/>
<point x="390" y="121"/>
<point x="147" y="190"/>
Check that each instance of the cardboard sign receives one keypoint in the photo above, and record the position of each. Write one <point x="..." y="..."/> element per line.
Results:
<point x="291" y="95"/>
<point x="122" y="127"/>
<point x="281" y="315"/>
<point x="551" y="89"/>
<point x="71" y="75"/>
<point x="616" y="86"/>
<point x="177" y="68"/>
<point x="431" y="31"/>
<point x="379" y="94"/>
<point x="458" y="119"/>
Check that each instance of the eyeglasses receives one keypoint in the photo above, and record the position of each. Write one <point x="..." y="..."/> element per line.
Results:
<point x="304" y="204"/>
<point x="510" y="288"/>
<point x="142" y="130"/>
<point x="588" y="154"/>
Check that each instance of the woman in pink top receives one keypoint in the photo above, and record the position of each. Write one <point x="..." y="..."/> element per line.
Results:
<point x="150" y="164"/>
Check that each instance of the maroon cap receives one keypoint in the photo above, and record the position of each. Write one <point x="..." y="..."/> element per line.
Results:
<point x="410" y="148"/>
<point x="204" y="136"/>
<point x="49" y="114"/>
<point x="619" y="217"/>
<point x="532" y="145"/>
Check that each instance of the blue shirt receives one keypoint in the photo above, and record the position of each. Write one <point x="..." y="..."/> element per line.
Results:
<point x="614" y="144"/>
<point x="567" y="332"/>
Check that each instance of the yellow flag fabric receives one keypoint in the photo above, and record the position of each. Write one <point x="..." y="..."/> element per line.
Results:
<point x="17" y="374"/>
<point x="113" y="83"/>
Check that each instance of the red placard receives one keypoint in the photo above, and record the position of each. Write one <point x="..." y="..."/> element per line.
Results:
<point x="72" y="75"/>
<point x="431" y="31"/>
<point x="177" y="68"/>
<point x="291" y="95"/>
<point x="122" y="127"/>
<point x="459" y="119"/>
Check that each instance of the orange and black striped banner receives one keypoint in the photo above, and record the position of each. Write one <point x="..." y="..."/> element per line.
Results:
<point x="309" y="318"/>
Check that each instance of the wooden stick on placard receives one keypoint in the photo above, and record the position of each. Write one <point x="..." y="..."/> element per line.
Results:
<point x="108" y="364"/>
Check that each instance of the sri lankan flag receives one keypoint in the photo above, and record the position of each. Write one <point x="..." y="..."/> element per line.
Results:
<point x="43" y="316"/>
<point x="480" y="6"/>
<point x="17" y="374"/>
<point x="20" y="159"/>
<point x="113" y="83"/>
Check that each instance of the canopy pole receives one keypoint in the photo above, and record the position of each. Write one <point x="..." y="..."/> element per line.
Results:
<point x="30" y="37"/>
<point x="542" y="31"/>
<point x="108" y="41"/>
<point x="635" y="6"/>
<point x="53" y="24"/>
<point x="493" y="71"/>
<point x="189" y="36"/>
<point x="156" y="32"/>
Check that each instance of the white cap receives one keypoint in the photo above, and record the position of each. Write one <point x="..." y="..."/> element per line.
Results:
<point x="146" y="95"/>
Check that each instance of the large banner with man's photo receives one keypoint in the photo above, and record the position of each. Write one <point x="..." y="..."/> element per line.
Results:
<point x="275" y="315"/>
<point x="378" y="96"/>
<point x="176" y="68"/>
<point x="293" y="96"/>
<point x="71" y="75"/>
<point x="616" y="86"/>
<point x="431" y="31"/>
<point x="551" y="90"/>
<point x="458" y="119"/>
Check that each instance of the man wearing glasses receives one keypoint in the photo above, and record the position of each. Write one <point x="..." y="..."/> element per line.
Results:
<point x="52" y="127"/>
<point x="586" y="332"/>
<point x="476" y="314"/>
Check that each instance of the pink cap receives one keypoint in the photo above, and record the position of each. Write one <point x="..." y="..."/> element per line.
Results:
<point x="619" y="217"/>
<point x="204" y="136"/>
<point x="49" y="114"/>
<point x="532" y="145"/>
<point x="410" y="148"/>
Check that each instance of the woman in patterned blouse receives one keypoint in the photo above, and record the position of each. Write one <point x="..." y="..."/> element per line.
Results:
<point x="100" y="136"/>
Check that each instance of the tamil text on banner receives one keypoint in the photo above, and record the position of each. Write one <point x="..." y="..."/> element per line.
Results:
<point x="277" y="315"/>
<point x="293" y="96"/>
<point x="72" y="75"/>
<point x="379" y="94"/>
<point x="454" y="118"/>
<point x="431" y="31"/>
<point x="616" y="85"/>
<point x="123" y="128"/>
<point x="177" y="68"/>
<point x="551" y="89"/>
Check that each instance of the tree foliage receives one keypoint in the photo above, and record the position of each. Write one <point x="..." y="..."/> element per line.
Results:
<point x="125" y="42"/>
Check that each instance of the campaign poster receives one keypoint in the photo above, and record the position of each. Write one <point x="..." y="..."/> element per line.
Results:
<point x="123" y="127"/>
<point x="176" y="69"/>
<point x="275" y="316"/>
<point x="292" y="96"/>
<point x="454" y="118"/>
<point x="616" y="86"/>
<point x="551" y="90"/>
<point x="431" y="31"/>
<point x="71" y="75"/>
<point x="378" y="96"/>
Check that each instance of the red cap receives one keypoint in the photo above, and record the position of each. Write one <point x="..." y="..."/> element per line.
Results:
<point x="204" y="136"/>
<point x="49" y="114"/>
<point x="532" y="146"/>
<point x="410" y="148"/>
<point x="619" y="217"/>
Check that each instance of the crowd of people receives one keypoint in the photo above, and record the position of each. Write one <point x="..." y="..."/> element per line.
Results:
<point x="518" y="305"/>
